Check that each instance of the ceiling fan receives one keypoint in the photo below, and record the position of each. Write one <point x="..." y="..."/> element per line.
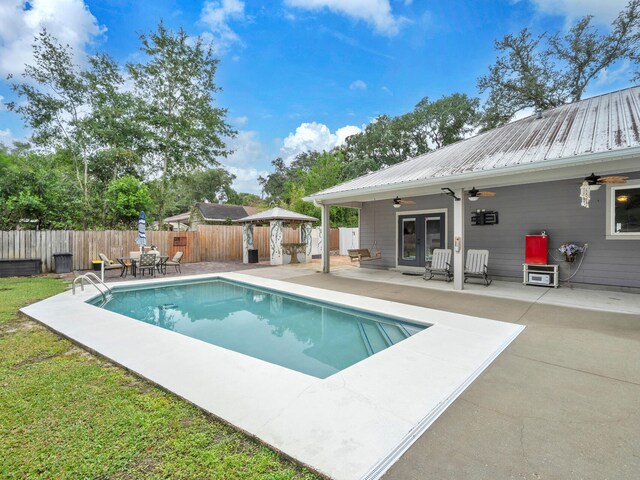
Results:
<point x="398" y="202"/>
<point x="595" y="181"/>
<point x="474" y="194"/>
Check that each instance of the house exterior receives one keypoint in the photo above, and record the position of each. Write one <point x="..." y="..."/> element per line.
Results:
<point x="536" y="167"/>
<point x="205" y="213"/>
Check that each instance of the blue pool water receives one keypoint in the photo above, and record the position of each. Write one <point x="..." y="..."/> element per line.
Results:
<point x="311" y="337"/>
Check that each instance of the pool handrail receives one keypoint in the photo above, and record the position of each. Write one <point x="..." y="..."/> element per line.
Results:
<point x="88" y="277"/>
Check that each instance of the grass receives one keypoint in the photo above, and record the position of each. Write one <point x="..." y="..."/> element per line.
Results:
<point x="66" y="413"/>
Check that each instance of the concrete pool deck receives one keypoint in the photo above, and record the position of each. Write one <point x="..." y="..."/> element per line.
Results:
<point x="562" y="401"/>
<point x="351" y="425"/>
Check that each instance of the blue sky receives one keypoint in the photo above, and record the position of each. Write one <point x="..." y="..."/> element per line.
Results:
<point x="303" y="74"/>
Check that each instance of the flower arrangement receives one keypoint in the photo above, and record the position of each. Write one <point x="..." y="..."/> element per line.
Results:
<point x="570" y="251"/>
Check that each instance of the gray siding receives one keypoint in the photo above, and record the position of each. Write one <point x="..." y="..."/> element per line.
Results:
<point x="526" y="209"/>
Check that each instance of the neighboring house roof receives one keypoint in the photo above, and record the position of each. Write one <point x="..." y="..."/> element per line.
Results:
<point x="606" y="125"/>
<point x="277" y="213"/>
<point x="179" y="218"/>
<point x="214" y="212"/>
<point x="218" y="212"/>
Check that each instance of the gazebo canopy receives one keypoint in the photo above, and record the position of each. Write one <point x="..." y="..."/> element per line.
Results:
<point x="277" y="213"/>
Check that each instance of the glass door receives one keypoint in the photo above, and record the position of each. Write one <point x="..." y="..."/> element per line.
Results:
<point x="434" y="235"/>
<point x="418" y="236"/>
<point x="409" y="240"/>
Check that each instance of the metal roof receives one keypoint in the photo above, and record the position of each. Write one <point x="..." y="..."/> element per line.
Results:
<point x="605" y="123"/>
<point x="277" y="213"/>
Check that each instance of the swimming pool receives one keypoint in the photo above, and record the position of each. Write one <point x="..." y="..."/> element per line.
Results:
<point x="312" y="337"/>
<point x="350" y="425"/>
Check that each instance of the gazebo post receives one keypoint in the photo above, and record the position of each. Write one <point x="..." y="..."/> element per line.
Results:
<point x="247" y="241"/>
<point x="275" y="242"/>
<point x="305" y="234"/>
<point x="326" y="225"/>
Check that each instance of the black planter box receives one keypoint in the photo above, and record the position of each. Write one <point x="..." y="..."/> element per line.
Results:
<point x="253" y="255"/>
<point x="20" y="268"/>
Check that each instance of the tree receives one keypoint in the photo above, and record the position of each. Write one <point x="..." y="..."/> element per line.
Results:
<point x="126" y="197"/>
<point x="445" y="121"/>
<point x="212" y="185"/>
<point x="184" y="131"/>
<point x="56" y="96"/>
<point x="551" y="69"/>
<point x="37" y="187"/>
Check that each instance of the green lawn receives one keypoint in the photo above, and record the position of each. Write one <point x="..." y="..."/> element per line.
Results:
<point x="65" y="413"/>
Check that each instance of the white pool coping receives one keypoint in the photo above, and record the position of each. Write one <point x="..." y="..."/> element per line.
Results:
<point x="352" y="425"/>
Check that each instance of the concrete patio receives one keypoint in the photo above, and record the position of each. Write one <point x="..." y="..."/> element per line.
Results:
<point x="562" y="401"/>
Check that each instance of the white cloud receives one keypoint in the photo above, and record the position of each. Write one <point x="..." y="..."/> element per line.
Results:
<point x="608" y="75"/>
<point x="358" y="85"/>
<point x="2" y="104"/>
<point x="375" y="12"/>
<point x="216" y="16"/>
<point x="603" y="12"/>
<point x="240" y="120"/>
<point x="247" y="149"/>
<point x="6" y="137"/>
<point x="386" y="89"/>
<point x="314" y="136"/>
<point x="246" y="179"/>
<point x="70" y="21"/>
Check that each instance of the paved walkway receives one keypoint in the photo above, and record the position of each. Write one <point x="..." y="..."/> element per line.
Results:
<point x="562" y="402"/>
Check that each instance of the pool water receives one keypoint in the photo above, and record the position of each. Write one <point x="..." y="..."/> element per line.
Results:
<point x="311" y="337"/>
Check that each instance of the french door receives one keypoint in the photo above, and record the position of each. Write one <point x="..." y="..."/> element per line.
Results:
<point x="418" y="236"/>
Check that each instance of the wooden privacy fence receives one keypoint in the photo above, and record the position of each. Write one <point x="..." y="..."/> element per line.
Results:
<point x="209" y="243"/>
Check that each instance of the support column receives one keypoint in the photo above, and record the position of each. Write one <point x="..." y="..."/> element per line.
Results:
<point x="458" y="241"/>
<point x="326" y="225"/>
<point x="247" y="241"/>
<point x="275" y="242"/>
<point x="305" y="233"/>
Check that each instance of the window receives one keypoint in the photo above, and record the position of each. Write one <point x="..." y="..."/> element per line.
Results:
<point x="623" y="211"/>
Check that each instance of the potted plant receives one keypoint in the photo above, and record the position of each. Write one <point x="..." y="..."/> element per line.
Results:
<point x="570" y="251"/>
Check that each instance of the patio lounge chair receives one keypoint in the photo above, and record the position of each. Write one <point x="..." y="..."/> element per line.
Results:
<point x="175" y="262"/>
<point x="363" y="254"/>
<point x="440" y="264"/>
<point x="147" y="262"/>
<point x="109" y="265"/>
<point x="476" y="265"/>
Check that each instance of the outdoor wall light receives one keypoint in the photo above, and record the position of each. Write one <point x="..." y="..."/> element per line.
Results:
<point x="451" y="193"/>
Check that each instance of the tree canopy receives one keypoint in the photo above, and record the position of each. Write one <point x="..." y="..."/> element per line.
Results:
<point x="551" y="69"/>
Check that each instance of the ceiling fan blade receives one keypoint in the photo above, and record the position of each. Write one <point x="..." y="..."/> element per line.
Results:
<point x="486" y="194"/>
<point x="612" y="179"/>
<point x="407" y="202"/>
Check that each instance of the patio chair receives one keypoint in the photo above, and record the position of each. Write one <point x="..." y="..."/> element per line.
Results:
<point x="440" y="264"/>
<point x="476" y="265"/>
<point x="147" y="262"/>
<point x="127" y="265"/>
<point x="109" y="265"/>
<point x="175" y="262"/>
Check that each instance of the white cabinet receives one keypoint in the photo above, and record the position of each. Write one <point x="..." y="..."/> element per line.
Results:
<point x="543" y="275"/>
